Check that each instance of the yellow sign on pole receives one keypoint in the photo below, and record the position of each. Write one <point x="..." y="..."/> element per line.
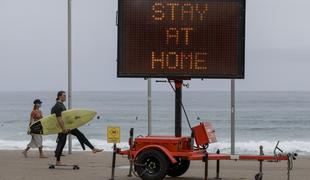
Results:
<point x="114" y="134"/>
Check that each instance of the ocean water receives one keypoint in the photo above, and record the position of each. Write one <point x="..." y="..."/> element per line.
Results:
<point x="262" y="118"/>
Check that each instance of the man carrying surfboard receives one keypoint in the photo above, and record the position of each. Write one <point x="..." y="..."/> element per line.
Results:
<point x="57" y="109"/>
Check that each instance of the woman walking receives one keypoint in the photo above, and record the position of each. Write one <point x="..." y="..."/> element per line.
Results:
<point x="36" y="139"/>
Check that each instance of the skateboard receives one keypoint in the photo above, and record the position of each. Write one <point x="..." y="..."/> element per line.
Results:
<point x="74" y="166"/>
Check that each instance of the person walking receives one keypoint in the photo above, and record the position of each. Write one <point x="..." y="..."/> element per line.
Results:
<point x="36" y="139"/>
<point x="57" y="109"/>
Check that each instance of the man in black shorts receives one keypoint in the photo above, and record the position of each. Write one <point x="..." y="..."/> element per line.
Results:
<point x="57" y="109"/>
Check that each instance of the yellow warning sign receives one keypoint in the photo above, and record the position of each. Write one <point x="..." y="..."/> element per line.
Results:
<point x="114" y="134"/>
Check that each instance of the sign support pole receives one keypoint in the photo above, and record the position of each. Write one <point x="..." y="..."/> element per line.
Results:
<point x="178" y="108"/>
<point x="114" y="136"/>
<point x="113" y="162"/>
<point x="69" y="71"/>
<point x="149" y="103"/>
<point x="232" y="117"/>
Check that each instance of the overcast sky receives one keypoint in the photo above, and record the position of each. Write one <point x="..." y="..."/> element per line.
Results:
<point x="33" y="47"/>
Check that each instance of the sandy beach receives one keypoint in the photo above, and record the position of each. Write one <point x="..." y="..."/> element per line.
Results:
<point x="13" y="166"/>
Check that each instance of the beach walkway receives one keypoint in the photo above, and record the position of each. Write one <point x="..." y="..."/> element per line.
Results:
<point x="13" y="166"/>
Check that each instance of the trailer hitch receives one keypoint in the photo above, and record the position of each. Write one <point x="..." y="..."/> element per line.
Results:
<point x="290" y="155"/>
<point x="290" y="158"/>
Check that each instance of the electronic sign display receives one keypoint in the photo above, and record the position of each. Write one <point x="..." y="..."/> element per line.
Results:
<point x="181" y="38"/>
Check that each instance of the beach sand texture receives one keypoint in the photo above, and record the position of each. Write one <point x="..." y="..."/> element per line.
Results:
<point x="13" y="166"/>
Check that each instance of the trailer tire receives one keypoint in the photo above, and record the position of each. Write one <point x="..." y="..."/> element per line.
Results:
<point x="151" y="165"/>
<point x="179" y="168"/>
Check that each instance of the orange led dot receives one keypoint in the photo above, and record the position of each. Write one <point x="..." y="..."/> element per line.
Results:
<point x="158" y="10"/>
<point x="173" y="10"/>
<point x="187" y="58"/>
<point x="172" y="33"/>
<point x="199" y="59"/>
<point x="187" y="9"/>
<point x="171" y="67"/>
<point x="160" y="60"/>
<point x="202" y="12"/>
<point x="187" y="30"/>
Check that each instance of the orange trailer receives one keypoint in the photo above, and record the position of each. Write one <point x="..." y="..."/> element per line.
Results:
<point x="154" y="157"/>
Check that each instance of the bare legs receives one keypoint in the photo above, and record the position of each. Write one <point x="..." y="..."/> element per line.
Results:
<point x="41" y="155"/>
<point x="25" y="151"/>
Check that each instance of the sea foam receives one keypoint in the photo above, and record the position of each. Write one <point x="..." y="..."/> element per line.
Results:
<point x="246" y="147"/>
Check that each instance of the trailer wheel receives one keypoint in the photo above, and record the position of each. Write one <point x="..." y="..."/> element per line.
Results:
<point x="151" y="165"/>
<point x="179" y="168"/>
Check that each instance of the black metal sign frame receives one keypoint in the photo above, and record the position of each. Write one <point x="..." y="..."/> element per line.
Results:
<point x="122" y="59"/>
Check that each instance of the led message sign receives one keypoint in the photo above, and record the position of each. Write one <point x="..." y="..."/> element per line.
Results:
<point x="181" y="38"/>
